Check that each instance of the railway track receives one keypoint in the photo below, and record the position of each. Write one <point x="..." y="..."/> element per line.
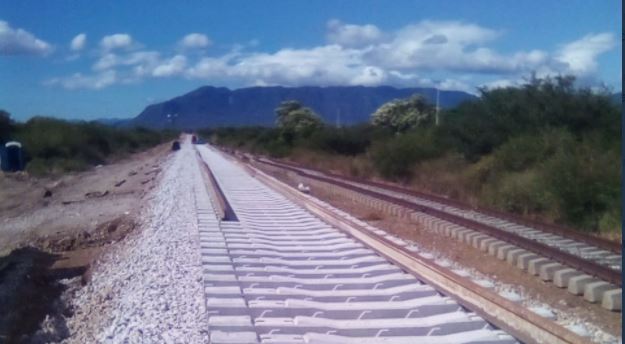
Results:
<point x="487" y="216"/>
<point x="280" y="274"/>
<point x="583" y="264"/>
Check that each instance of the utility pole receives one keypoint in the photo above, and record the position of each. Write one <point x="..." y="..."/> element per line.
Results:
<point x="338" y="118"/>
<point x="171" y="118"/>
<point x="437" y="107"/>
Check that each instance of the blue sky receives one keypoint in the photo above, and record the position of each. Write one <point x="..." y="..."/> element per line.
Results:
<point x="93" y="59"/>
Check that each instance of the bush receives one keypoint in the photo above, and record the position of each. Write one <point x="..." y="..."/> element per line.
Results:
<point x="404" y="114"/>
<point x="6" y="126"/>
<point x="610" y="221"/>
<point x="526" y="150"/>
<point x="277" y="149"/>
<point x="395" y="157"/>
<point x="56" y="146"/>
<point x="585" y="183"/>
<point x="519" y="192"/>
<point x="480" y="126"/>
<point x="343" y="141"/>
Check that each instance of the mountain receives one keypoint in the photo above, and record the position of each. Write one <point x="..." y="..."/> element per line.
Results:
<point x="113" y="122"/>
<point x="213" y="107"/>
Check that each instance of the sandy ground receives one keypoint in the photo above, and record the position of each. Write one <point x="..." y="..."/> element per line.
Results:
<point x="603" y="324"/>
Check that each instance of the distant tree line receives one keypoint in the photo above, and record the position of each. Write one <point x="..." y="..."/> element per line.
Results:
<point x="53" y="146"/>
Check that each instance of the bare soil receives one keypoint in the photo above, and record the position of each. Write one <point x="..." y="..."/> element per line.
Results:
<point x="536" y="289"/>
<point x="53" y="229"/>
<point x="36" y="210"/>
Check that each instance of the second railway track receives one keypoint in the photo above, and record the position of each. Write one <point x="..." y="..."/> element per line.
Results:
<point x="588" y="266"/>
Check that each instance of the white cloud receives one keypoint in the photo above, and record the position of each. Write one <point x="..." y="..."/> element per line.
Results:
<point x="78" y="43"/>
<point x="454" y="84"/>
<point x="500" y="83"/>
<point x="438" y="45"/>
<point x="209" y="67"/>
<point x="112" y="68"/>
<point x="171" y="67"/>
<point x="460" y="54"/>
<point x="20" y="42"/>
<point x="142" y="58"/>
<point x="401" y="58"/>
<point x="106" y="61"/>
<point x="195" y="40"/>
<point x="369" y="76"/>
<point x="325" y="65"/>
<point x="581" y="55"/>
<point x="349" y="35"/>
<point x="363" y="55"/>
<point x="80" y="81"/>
<point x="116" y="41"/>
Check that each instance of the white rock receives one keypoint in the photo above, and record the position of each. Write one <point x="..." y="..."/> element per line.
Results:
<point x="156" y="268"/>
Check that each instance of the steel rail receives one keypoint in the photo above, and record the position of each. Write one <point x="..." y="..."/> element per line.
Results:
<point x="591" y="268"/>
<point x="513" y="318"/>
<point x="214" y="190"/>
<point x="613" y="246"/>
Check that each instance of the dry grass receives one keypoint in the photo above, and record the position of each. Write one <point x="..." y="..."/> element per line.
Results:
<point x="477" y="184"/>
<point x="448" y="176"/>
<point x="613" y="236"/>
<point x="354" y="166"/>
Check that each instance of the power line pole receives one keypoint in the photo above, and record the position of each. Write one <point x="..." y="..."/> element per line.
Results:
<point x="437" y="105"/>
<point x="338" y="118"/>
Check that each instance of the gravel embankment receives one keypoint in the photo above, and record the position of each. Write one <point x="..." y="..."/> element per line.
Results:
<point x="149" y="289"/>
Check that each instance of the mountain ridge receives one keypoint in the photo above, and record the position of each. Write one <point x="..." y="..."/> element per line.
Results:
<point x="210" y="106"/>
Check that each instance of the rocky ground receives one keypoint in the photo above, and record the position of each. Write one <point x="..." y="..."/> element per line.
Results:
<point x="53" y="229"/>
<point x="149" y="289"/>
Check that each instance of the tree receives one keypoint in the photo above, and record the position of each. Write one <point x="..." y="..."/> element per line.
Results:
<point x="6" y="126"/>
<point x="295" y="120"/>
<point x="480" y="126"/>
<point x="284" y="109"/>
<point x="403" y="114"/>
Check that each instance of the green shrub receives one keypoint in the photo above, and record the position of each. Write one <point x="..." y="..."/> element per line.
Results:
<point x="585" y="183"/>
<point x="343" y="141"/>
<point x="277" y="149"/>
<point x="55" y="146"/>
<point x="38" y="167"/>
<point x="480" y="126"/>
<point x="395" y="158"/>
<point x="610" y="221"/>
<point x="526" y="150"/>
<point x="519" y="192"/>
